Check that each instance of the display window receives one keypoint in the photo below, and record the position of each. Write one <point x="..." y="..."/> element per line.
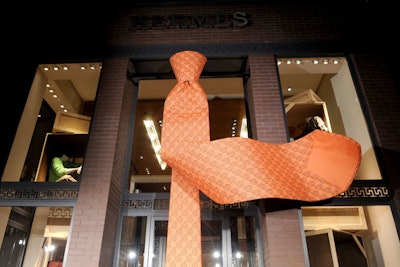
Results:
<point x="319" y="93"/>
<point x="49" y="147"/>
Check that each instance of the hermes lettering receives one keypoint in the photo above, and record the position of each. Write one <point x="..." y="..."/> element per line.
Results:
<point x="177" y="21"/>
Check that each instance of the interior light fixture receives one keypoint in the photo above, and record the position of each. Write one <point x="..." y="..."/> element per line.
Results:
<point x="216" y="254"/>
<point x="49" y="248"/>
<point x="131" y="255"/>
<point x="234" y="123"/>
<point x="155" y="141"/>
<point x="238" y="255"/>
<point x="299" y="61"/>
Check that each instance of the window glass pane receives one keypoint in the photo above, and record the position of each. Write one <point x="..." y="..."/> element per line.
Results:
<point x="323" y="88"/>
<point x="350" y="235"/>
<point x="60" y="102"/>
<point x="211" y="242"/>
<point x="243" y="241"/>
<point x="319" y="93"/>
<point x="159" y="243"/>
<point x="227" y="118"/>
<point x="34" y="236"/>
<point x="133" y="236"/>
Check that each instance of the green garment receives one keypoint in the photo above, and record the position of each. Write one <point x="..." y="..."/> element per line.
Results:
<point x="57" y="168"/>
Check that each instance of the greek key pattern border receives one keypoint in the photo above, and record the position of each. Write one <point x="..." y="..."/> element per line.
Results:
<point x="37" y="194"/>
<point x="60" y="212"/>
<point x="40" y="194"/>
<point x="163" y="204"/>
<point x="366" y="192"/>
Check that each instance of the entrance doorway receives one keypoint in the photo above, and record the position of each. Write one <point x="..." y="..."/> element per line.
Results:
<point x="229" y="238"/>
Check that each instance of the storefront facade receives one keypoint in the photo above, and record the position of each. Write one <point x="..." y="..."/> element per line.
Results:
<point x="256" y="54"/>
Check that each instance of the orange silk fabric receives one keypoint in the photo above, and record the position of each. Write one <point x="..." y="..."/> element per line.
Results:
<point x="318" y="166"/>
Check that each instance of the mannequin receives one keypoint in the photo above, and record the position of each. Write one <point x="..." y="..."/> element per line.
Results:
<point x="312" y="123"/>
<point x="61" y="169"/>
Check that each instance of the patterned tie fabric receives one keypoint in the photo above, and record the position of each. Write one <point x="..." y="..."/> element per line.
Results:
<point x="315" y="167"/>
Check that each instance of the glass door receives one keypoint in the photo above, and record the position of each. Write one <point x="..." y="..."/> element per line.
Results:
<point x="226" y="241"/>
<point x="213" y="242"/>
<point x="157" y="245"/>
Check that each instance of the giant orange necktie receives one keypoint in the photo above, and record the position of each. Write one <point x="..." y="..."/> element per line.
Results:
<point x="318" y="166"/>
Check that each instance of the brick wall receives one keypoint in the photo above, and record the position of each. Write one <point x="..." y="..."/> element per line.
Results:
<point x="96" y="214"/>
<point x="268" y="23"/>
<point x="284" y="240"/>
<point x="264" y="98"/>
<point x="267" y="122"/>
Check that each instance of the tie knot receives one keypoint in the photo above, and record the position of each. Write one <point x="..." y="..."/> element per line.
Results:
<point x="187" y="65"/>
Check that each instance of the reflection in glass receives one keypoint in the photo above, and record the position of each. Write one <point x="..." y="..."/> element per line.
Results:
<point x="131" y="253"/>
<point x="211" y="242"/>
<point x="13" y="246"/>
<point x="243" y="241"/>
<point x="35" y="236"/>
<point x="159" y="243"/>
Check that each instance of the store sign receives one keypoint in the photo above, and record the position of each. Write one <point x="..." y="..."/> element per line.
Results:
<point x="220" y="20"/>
